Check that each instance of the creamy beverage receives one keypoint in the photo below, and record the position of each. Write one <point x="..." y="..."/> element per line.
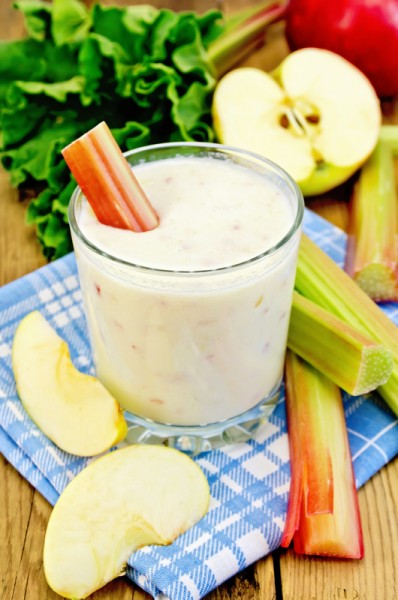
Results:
<point x="188" y="322"/>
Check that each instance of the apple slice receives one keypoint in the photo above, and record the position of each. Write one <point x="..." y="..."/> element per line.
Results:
<point x="71" y="408"/>
<point x="317" y="116"/>
<point x="129" y="498"/>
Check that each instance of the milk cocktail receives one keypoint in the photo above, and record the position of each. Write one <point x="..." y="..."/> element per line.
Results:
<point x="188" y="322"/>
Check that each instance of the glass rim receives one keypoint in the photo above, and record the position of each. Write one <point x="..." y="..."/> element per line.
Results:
<point x="214" y="147"/>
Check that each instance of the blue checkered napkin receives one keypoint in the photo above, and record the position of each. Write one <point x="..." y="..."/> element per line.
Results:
<point x="249" y="482"/>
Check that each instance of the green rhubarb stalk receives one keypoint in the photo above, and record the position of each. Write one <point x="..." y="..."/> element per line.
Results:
<point x="245" y="31"/>
<point x="372" y="249"/>
<point x="350" y="359"/>
<point x="321" y="280"/>
<point x="389" y="135"/>
<point x="321" y="466"/>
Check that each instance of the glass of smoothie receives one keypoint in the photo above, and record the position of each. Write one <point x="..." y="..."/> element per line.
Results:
<point x="188" y="322"/>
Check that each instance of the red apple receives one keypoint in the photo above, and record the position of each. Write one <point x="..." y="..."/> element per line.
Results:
<point x="365" y="32"/>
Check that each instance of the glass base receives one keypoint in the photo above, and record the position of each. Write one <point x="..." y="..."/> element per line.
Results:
<point x="194" y="439"/>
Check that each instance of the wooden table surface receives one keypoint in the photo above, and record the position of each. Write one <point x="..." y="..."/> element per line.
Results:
<point x="24" y="512"/>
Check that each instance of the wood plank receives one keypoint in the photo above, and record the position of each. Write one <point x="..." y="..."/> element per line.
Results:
<point x="11" y="22"/>
<point x="20" y="252"/>
<point x="16" y="500"/>
<point x="310" y="578"/>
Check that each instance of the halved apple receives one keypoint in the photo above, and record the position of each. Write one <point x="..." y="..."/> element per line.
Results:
<point x="317" y="116"/>
<point x="71" y="408"/>
<point x="129" y="498"/>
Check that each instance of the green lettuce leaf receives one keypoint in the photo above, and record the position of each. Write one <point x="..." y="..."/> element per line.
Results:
<point x="143" y="70"/>
<point x="71" y="21"/>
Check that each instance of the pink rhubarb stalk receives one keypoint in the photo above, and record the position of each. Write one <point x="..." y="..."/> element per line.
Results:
<point x="108" y="182"/>
<point x="323" y="512"/>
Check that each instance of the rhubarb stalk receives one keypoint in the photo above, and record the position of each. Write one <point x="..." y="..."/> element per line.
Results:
<point x="245" y="31"/>
<point x="320" y="279"/>
<point x="372" y="249"/>
<point x="389" y="135"/>
<point x="351" y="360"/>
<point x="108" y="182"/>
<point x="323" y="513"/>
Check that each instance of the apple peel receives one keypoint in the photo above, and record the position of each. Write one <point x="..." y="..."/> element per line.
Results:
<point x="71" y="408"/>
<point x="157" y="493"/>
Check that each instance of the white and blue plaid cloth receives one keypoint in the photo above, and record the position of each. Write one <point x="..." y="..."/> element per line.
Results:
<point x="249" y="482"/>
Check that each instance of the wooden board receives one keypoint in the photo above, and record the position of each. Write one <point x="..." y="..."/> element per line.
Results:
<point x="25" y="513"/>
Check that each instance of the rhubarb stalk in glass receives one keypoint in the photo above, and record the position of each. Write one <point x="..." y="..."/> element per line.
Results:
<point x="108" y="182"/>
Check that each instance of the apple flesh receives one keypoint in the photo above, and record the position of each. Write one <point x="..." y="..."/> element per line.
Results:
<point x="364" y="32"/>
<point x="129" y="498"/>
<point x="71" y="408"/>
<point x="317" y="116"/>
